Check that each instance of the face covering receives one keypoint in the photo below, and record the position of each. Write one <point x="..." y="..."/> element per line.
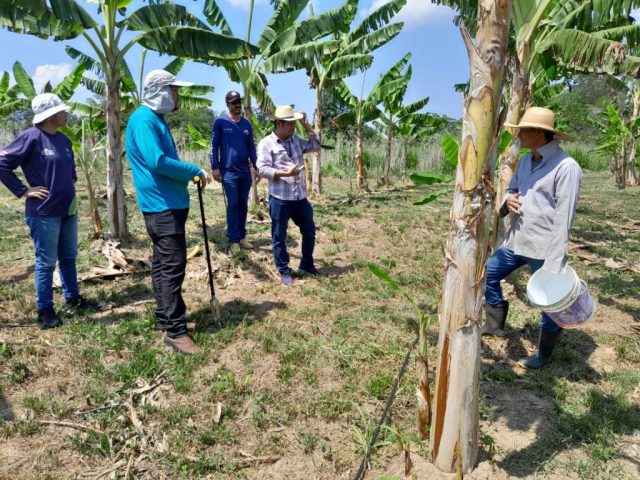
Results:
<point x="160" y="100"/>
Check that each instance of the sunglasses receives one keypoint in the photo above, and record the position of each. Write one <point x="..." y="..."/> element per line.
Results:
<point x="235" y="102"/>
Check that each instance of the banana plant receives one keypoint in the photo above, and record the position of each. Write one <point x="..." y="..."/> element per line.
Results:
<point x="363" y="110"/>
<point x="164" y="26"/>
<point x="19" y="96"/>
<point x="329" y="60"/>
<point x="86" y="153"/>
<point x="620" y="142"/>
<point x="414" y="128"/>
<point x="397" y="114"/>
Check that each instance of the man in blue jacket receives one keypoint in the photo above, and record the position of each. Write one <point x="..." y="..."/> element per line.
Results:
<point x="232" y="148"/>
<point x="161" y="181"/>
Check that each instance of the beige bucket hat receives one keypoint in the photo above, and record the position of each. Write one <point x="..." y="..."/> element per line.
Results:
<point x="542" y="118"/>
<point x="286" y="113"/>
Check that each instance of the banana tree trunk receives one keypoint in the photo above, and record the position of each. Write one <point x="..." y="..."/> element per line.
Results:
<point x="316" y="171"/>
<point x="248" y="113"/>
<point x="454" y="433"/>
<point x="359" y="163"/>
<point x="403" y="161"/>
<point x="632" y="174"/>
<point x="509" y="160"/>
<point x="116" y="206"/>
<point x="387" y="159"/>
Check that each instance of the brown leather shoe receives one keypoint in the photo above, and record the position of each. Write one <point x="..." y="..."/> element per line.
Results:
<point x="183" y="344"/>
<point x="245" y="244"/>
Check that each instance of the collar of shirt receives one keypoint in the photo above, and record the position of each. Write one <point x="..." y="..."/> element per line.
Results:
<point x="546" y="151"/>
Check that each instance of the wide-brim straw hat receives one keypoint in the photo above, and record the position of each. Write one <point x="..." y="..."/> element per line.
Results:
<point x="47" y="105"/>
<point x="542" y="118"/>
<point x="286" y="113"/>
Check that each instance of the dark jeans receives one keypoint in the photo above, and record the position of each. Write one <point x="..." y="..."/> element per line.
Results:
<point x="499" y="266"/>
<point x="236" y="188"/>
<point x="301" y="212"/>
<point x="166" y="230"/>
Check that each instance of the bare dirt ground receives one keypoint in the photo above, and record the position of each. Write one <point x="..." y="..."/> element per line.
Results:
<point x="300" y="372"/>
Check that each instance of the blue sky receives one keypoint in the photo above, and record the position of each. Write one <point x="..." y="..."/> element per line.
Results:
<point x="438" y="56"/>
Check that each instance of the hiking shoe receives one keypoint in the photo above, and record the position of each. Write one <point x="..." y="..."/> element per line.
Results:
<point x="287" y="279"/>
<point x="313" y="271"/>
<point x="47" y="318"/>
<point x="183" y="344"/>
<point x="245" y="244"/>
<point x="82" y="303"/>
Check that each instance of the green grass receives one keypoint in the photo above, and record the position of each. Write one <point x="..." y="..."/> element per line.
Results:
<point x="306" y="371"/>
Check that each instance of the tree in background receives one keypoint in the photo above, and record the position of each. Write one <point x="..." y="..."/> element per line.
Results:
<point x="342" y="55"/>
<point x="364" y="110"/>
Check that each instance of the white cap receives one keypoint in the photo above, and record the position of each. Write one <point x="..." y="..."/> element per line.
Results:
<point x="47" y="105"/>
<point x="157" y="79"/>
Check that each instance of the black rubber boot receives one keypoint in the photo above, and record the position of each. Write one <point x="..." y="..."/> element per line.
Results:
<point x="495" y="318"/>
<point x="547" y="343"/>
<point x="47" y="318"/>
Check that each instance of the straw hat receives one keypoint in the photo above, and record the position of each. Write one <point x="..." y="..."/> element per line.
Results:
<point x="542" y="118"/>
<point x="47" y="105"/>
<point x="286" y="113"/>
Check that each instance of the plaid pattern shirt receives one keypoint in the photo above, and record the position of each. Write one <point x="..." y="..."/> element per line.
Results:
<point x="275" y="154"/>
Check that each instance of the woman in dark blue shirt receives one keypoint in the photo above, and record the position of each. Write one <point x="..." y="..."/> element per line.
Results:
<point x="46" y="158"/>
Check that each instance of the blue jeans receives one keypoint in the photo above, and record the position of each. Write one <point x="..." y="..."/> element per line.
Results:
<point x="54" y="239"/>
<point x="236" y="188"/>
<point x="301" y="212"/>
<point x="499" y="266"/>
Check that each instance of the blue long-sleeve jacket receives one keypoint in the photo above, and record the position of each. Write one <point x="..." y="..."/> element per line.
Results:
<point x="232" y="145"/>
<point x="160" y="178"/>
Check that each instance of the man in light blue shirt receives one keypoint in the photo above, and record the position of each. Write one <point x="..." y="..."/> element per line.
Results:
<point x="161" y="181"/>
<point x="541" y="200"/>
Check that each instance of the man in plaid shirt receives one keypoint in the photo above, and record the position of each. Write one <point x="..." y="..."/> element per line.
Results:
<point x="280" y="159"/>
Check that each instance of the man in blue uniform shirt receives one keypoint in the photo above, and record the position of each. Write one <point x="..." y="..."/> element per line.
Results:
<point x="161" y="181"/>
<point x="232" y="151"/>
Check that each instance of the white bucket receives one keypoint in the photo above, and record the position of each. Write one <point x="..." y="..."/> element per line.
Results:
<point x="562" y="296"/>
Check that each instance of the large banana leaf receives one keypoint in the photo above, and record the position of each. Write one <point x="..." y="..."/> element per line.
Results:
<point x="376" y="19"/>
<point x="413" y="107"/>
<point x="97" y="87"/>
<point x="4" y="83"/>
<point x="189" y="102"/>
<point x="285" y="15"/>
<point x="11" y="106"/>
<point x="582" y="51"/>
<point x="71" y="12"/>
<point x="629" y="34"/>
<point x="384" y="90"/>
<point x="345" y="66"/>
<point x="197" y="44"/>
<point x="341" y="91"/>
<point x="67" y="87"/>
<point x="316" y="27"/>
<point x="43" y="25"/>
<point x="394" y="73"/>
<point x="301" y="56"/>
<point x="196" y="90"/>
<point x="162" y="15"/>
<point x="371" y="41"/>
<point x="88" y="61"/>
<point x="257" y="86"/>
<point x="175" y="65"/>
<point x="23" y="80"/>
<point x="215" y="17"/>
